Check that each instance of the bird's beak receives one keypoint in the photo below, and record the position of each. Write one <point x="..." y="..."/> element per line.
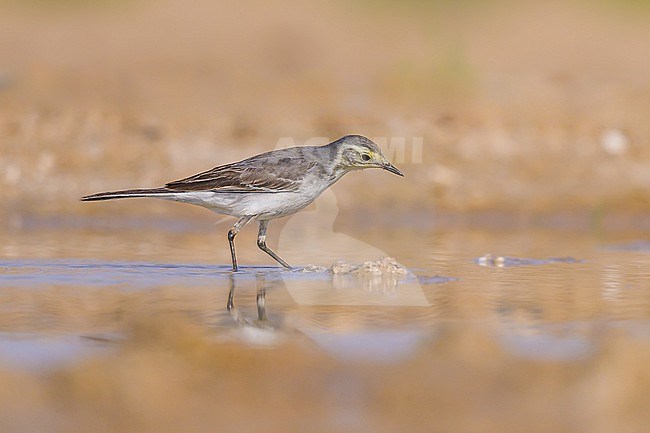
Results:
<point x="390" y="167"/>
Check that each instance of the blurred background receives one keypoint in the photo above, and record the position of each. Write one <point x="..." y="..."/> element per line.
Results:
<point x="522" y="107"/>
<point x="522" y="128"/>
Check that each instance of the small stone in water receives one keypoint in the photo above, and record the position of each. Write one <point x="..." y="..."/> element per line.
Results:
<point x="383" y="266"/>
<point x="490" y="260"/>
<point x="314" y="268"/>
<point x="343" y="267"/>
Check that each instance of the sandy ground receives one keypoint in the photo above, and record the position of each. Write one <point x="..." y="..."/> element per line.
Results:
<point x="136" y="338"/>
<point x="514" y="106"/>
<point x="448" y="386"/>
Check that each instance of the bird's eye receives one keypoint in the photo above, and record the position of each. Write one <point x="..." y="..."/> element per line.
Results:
<point x="365" y="157"/>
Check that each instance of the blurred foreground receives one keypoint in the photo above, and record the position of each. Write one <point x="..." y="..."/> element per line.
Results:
<point x="170" y="376"/>
<point x="118" y="344"/>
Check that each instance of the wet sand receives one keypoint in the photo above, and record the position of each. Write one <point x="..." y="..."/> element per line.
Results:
<point x="147" y="343"/>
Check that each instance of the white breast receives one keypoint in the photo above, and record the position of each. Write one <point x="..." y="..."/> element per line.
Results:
<point x="262" y="205"/>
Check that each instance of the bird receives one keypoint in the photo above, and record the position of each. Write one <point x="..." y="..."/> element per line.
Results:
<point x="267" y="186"/>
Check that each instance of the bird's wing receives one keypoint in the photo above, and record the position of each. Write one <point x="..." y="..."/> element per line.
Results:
<point x="262" y="173"/>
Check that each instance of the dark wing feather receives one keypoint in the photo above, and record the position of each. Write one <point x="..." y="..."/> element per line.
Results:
<point x="269" y="172"/>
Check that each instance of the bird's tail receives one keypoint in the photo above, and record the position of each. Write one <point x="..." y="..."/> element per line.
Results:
<point x="128" y="193"/>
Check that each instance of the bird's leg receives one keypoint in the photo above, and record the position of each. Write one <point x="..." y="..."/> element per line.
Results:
<point x="261" y="242"/>
<point x="231" y="238"/>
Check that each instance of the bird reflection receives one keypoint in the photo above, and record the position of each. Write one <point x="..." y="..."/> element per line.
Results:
<point x="341" y="332"/>
<point x="250" y="321"/>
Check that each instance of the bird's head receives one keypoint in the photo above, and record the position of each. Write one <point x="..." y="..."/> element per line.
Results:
<point x="356" y="152"/>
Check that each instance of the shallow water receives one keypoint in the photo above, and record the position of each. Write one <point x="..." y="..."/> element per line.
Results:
<point x="489" y="302"/>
